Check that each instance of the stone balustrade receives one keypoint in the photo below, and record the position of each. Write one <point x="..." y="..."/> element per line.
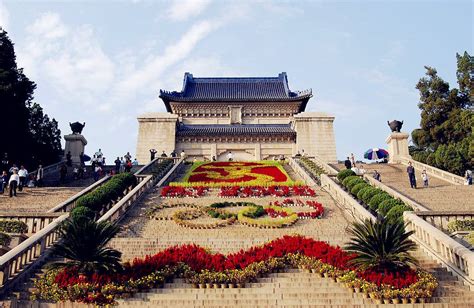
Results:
<point x="301" y="172"/>
<point x="392" y="192"/>
<point x="442" y="247"/>
<point x="17" y="262"/>
<point x="344" y="200"/>
<point x="433" y="171"/>
<point x="34" y="221"/>
<point x="325" y="166"/>
<point x="440" y="219"/>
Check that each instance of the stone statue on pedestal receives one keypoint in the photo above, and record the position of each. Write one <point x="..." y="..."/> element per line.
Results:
<point x="395" y="125"/>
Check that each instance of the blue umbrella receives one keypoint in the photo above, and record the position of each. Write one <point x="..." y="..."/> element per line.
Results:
<point x="375" y="153"/>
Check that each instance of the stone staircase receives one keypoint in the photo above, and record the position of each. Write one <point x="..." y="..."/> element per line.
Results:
<point x="439" y="196"/>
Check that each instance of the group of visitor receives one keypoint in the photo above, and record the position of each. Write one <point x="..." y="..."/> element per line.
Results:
<point x="173" y="154"/>
<point x="412" y="176"/>
<point x="124" y="163"/>
<point x="16" y="179"/>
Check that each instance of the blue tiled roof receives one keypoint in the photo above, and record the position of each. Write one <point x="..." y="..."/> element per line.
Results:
<point x="234" y="129"/>
<point x="262" y="89"/>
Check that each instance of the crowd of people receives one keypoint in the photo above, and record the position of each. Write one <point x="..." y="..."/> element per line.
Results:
<point x="16" y="178"/>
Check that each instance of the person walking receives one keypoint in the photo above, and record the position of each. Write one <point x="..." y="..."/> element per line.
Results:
<point x="348" y="163"/>
<point x="230" y="156"/>
<point x="3" y="181"/>
<point x="424" y="176"/>
<point x="62" y="173"/>
<point x="39" y="176"/>
<point x="13" y="183"/>
<point x="182" y="155"/>
<point x="377" y="176"/>
<point x="23" y="175"/>
<point x="117" y="165"/>
<point x="468" y="176"/>
<point x="152" y="154"/>
<point x="411" y="175"/>
<point x="353" y="160"/>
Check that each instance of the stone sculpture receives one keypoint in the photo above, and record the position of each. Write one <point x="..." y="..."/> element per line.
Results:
<point x="395" y="125"/>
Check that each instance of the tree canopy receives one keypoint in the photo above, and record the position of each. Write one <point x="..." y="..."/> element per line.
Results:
<point x="29" y="136"/>
<point x="445" y="137"/>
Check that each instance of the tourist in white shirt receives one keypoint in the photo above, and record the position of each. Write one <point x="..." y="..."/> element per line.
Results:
<point x="230" y="156"/>
<point x="13" y="183"/>
<point x="23" y="175"/>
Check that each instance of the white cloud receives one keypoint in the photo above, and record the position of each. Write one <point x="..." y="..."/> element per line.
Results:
<point x="4" y="16"/>
<point x="181" y="10"/>
<point x="48" y="26"/>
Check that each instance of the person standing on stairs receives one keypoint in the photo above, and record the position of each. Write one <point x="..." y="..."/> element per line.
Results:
<point x="23" y="174"/>
<point x="348" y="163"/>
<point x="39" y="176"/>
<point x="424" y="176"/>
<point x="411" y="175"/>
<point x="13" y="183"/>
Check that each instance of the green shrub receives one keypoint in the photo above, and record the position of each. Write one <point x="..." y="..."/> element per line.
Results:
<point x="344" y="174"/>
<point x="461" y="225"/>
<point x="348" y="179"/>
<point x="385" y="206"/>
<point x="358" y="187"/>
<point x="353" y="181"/>
<point x="470" y="238"/>
<point x="13" y="226"/>
<point x="369" y="194"/>
<point x="82" y="212"/>
<point x="255" y="212"/>
<point x="396" y="213"/>
<point x="5" y="239"/>
<point x="109" y="191"/>
<point x="362" y="191"/>
<point x="375" y="201"/>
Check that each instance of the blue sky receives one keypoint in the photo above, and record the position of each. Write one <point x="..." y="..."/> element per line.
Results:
<point x="104" y="63"/>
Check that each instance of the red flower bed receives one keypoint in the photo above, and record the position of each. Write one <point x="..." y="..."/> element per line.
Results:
<point x="275" y="214"/>
<point x="261" y="191"/>
<point x="198" y="259"/>
<point x="180" y="192"/>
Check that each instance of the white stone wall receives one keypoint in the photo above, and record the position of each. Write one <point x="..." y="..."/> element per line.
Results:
<point x="315" y="135"/>
<point x="156" y="131"/>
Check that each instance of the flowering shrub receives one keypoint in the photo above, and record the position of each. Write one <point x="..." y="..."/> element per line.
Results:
<point x="198" y="266"/>
<point x="318" y="207"/>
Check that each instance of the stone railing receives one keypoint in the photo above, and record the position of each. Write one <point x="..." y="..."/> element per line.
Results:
<point x="392" y="192"/>
<point x="145" y="182"/>
<point x="70" y="203"/>
<point x="17" y="262"/>
<point x="294" y="164"/>
<point x="325" y="166"/>
<point x="457" y="258"/>
<point x="440" y="219"/>
<point x="34" y="221"/>
<point x="344" y="200"/>
<point x="433" y="171"/>
<point x="50" y="169"/>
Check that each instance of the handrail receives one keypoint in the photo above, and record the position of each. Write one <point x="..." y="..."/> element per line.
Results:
<point x="441" y="219"/>
<point x="17" y="260"/>
<point x="345" y="201"/>
<point x="67" y="205"/>
<point x="458" y="259"/>
<point x="415" y="205"/>
<point x="301" y="172"/>
<point x="47" y="168"/>
<point x="433" y="171"/>
<point x="34" y="221"/>
<point x="170" y="172"/>
<point x="326" y="167"/>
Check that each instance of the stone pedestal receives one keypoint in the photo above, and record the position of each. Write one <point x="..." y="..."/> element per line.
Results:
<point x="76" y="144"/>
<point x="397" y="147"/>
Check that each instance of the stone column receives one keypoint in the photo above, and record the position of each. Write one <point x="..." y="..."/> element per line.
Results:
<point x="75" y="144"/>
<point x="397" y="147"/>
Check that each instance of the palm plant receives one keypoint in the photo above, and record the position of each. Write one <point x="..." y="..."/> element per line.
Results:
<point x="381" y="245"/>
<point x="83" y="245"/>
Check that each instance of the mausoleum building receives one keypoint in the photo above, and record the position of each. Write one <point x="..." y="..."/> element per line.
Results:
<point x="253" y="117"/>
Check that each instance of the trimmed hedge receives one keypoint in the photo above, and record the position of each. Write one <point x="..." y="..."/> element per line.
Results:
<point x="378" y="199"/>
<point x="353" y="181"/>
<point x="5" y="239"/>
<point x="363" y="191"/>
<point x="369" y="194"/>
<point x="461" y="225"/>
<point x="344" y="174"/>
<point x="396" y="212"/>
<point x="358" y="187"/>
<point x="110" y="191"/>
<point x="82" y="212"/>
<point x="13" y="226"/>
<point x="385" y="206"/>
